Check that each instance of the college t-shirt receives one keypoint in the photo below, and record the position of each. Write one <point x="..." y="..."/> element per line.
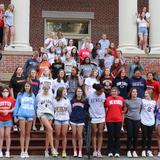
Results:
<point x="6" y="104"/>
<point x="114" y="107"/>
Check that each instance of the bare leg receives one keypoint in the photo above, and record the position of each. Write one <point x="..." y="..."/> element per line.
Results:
<point x="64" y="137"/>
<point x="22" y="124"/>
<point x="80" y="137"/>
<point x="100" y="135"/>
<point x="1" y="137"/>
<point x="6" y="33"/>
<point x="94" y="139"/>
<point x="8" y="137"/>
<point x="11" y="35"/>
<point x="74" y="138"/>
<point x="28" y="132"/>
<point x="57" y="131"/>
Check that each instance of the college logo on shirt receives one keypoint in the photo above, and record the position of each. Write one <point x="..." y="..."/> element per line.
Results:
<point x="115" y="102"/>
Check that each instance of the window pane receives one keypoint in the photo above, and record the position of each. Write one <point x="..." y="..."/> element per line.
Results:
<point x="68" y="27"/>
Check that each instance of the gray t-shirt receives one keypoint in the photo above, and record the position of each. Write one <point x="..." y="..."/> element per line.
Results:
<point x="134" y="107"/>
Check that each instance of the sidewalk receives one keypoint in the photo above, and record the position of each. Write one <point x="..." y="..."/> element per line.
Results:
<point x="84" y="158"/>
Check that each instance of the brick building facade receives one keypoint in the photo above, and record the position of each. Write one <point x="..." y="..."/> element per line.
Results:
<point x="105" y="21"/>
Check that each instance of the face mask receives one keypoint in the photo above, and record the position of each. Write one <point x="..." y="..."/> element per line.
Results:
<point x="5" y="94"/>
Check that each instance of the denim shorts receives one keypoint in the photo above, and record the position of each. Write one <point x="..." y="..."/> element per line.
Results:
<point x="143" y="31"/>
<point x="61" y="122"/>
<point x="25" y="118"/>
<point x="47" y="115"/>
<point x="6" y="123"/>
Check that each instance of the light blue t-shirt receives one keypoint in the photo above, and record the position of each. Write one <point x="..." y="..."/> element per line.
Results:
<point x="9" y="18"/>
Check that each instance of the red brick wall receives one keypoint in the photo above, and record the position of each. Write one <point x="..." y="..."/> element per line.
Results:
<point x="106" y="16"/>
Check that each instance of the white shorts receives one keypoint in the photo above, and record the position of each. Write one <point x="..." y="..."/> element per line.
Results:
<point x="77" y="124"/>
<point x="97" y="120"/>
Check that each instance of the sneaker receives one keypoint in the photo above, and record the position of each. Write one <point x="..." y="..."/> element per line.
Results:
<point x="26" y="154"/>
<point x="135" y="154"/>
<point x="54" y="153"/>
<point x="7" y="155"/>
<point x="46" y="154"/>
<point x="22" y="155"/>
<point x="122" y="129"/>
<point x="158" y="154"/>
<point x="64" y="155"/>
<point x="34" y="128"/>
<point x="110" y="154"/>
<point x="99" y="155"/>
<point x="80" y="154"/>
<point x="1" y="154"/>
<point x="15" y="128"/>
<point x="95" y="154"/>
<point x="149" y="153"/>
<point x="129" y="155"/>
<point x="117" y="155"/>
<point x="41" y="128"/>
<point x="75" y="154"/>
<point x="143" y="153"/>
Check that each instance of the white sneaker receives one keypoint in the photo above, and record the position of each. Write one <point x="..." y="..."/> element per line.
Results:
<point x="75" y="154"/>
<point x="26" y="154"/>
<point x="22" y="155"/>
<point x="129" y="155"/>
<point x="34" y="128"/>
<point x="149" y="153"/>
<point x="117" y="155"/>
<point x="158" y="154"/>
<point x="135" y="154"/>
<point x="80" y="154"/>
<point x="54" y="152"/>
<point x="99" y="155"/>
<point x="46" y="154"/>
<point x="110" y="154"/>
<point x="143" y="153"/>
<point x="1" y="154"/>
<point x="7" y="154"/>
<point x="95" y="154"/>
<point x="41" y="128"/>
<point x="15" y="128"/>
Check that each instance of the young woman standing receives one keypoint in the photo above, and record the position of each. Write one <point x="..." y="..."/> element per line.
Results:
<point x="77" y="119"/>
<point x="133" y="121"/>
<point x="62" y="110"/>
<point x="147" y="123"/>
<point x="97" y="113"/>
<point x="114" y="115"/>
<point x="24" y="113"/>
<point x="45" y="113"/>
<point x="6" y="109"/>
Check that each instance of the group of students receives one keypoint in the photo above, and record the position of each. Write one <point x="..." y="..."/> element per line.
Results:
<point x="59" y="111"/>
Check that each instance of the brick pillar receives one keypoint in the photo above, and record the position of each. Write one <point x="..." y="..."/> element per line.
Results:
<point x="154" y="9"/>
<point x="128" y="27"/>
<point x="22" y="23"/>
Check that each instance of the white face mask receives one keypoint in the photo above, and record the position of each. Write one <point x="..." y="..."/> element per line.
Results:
<point x="5" y="94"/>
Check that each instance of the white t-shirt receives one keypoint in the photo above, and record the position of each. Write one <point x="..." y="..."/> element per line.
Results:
<point x="51" y="57"/>
<point x="89" y="83"/>
<point x="96" y="102"/>
<point x="62" y="109"/>
<point x="45" y="80"/>
<point x="142" y="22"/>
<point x="147" y="112"/>
<point x="68" y="64"/>
<point x="69" y="48"/>
<point x="57" y="85"/>
<point x="49" y="42"/>
<point x="44" y="104"/>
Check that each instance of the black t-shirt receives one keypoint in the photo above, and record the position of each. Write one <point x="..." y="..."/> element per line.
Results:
<point x="17" y="84"/>
<point x="55" y="68"/>
<point x="35" y="86"/>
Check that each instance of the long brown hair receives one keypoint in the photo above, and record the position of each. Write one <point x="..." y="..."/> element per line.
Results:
<point x="59" y="93"/>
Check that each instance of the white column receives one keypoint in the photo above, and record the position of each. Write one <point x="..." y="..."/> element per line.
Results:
<point x="154" y="9"/>
<point x="128" y="27"/>
<point x="21" y="22"/>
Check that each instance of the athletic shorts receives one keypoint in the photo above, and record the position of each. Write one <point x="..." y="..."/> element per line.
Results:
<point x="6" y="123"/>
<point x="97" y="120"/>
<point x="77" y="124"/>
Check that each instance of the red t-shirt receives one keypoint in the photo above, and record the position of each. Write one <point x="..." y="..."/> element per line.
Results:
<point x="114" y="107"/>
<point x="83" y="53"/>
<point x="6" y="104"/>
<point x="1" y="20"/>
<point x="154" y="87"/>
